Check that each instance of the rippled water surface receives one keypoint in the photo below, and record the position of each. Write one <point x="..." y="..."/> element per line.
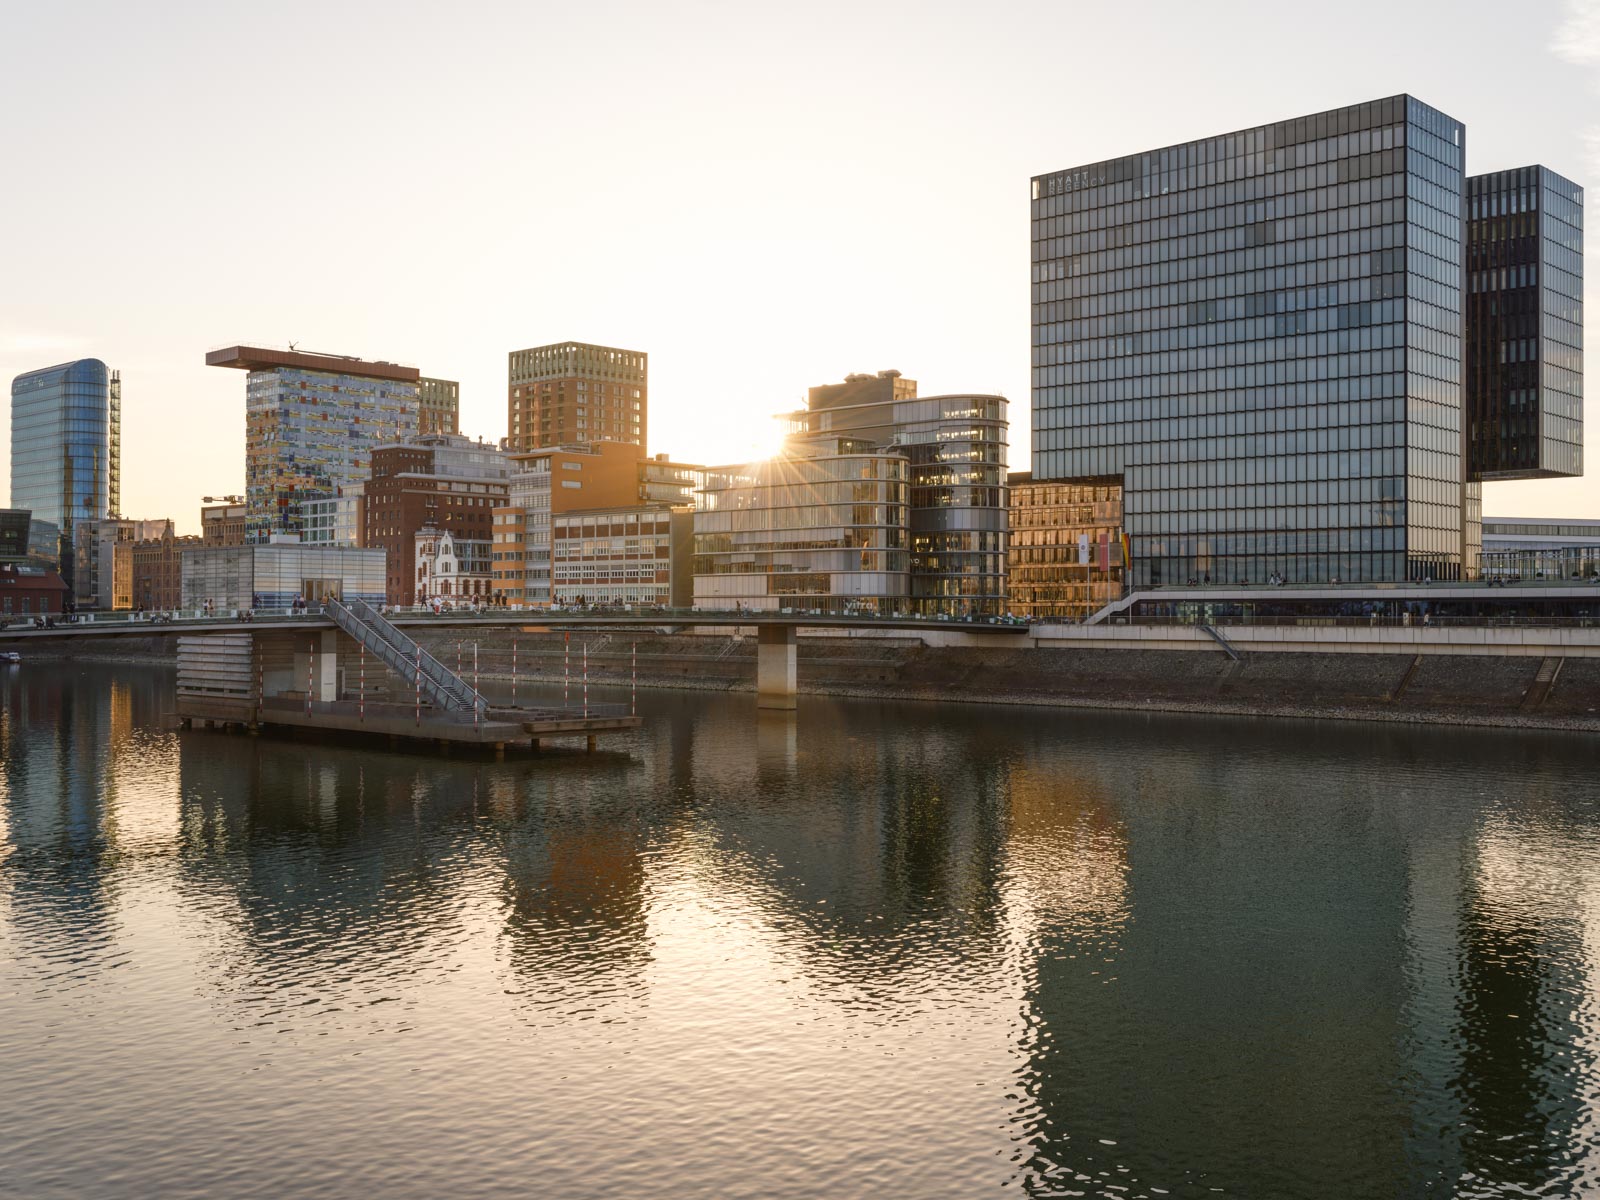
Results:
<point x="862" y="950"/>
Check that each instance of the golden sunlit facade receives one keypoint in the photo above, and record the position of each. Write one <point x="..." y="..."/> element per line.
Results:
<point x="1065" y="557"/>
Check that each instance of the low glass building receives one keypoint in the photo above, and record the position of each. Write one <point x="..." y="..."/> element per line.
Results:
<point x="272" y="576"/>
<point x="822" y="526"/>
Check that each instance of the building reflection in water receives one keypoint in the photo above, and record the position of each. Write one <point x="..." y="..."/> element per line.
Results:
<point x="71" y="738"/>
<point x="1072" y="952"/>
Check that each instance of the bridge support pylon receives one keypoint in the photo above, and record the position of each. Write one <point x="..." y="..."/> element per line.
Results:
<point x="776" y="669"/>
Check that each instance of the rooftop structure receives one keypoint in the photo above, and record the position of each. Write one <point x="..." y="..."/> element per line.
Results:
<point x="263" y="358"/>
<point x="577" y="392"/>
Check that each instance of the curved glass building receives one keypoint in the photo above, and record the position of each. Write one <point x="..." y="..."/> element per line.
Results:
<point x="955" y="451"/>
<point x="64" y="443"/>
<point x="882" y="501"/>
<point x="821" y="527"/>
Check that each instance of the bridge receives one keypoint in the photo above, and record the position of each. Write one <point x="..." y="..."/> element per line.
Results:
<point x="776" y="648"/>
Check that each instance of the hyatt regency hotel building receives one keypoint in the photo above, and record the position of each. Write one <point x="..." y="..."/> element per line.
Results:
<point x="1264" y="339"/>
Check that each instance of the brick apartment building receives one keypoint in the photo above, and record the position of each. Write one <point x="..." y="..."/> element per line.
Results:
<point x="157" y="570"/>
<point x="444" y="481"/>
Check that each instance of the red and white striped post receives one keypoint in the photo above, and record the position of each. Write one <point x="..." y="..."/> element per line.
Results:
<point x="586" y="680"/>
<point x="362" y="707"/>
<point x="419" y="686"/>
<point x="458" y="658"/>
<point x="513" y="672"/>
<point x="477" y="707"/>
<point x="311" y="674"/>
<point x="636" y="679"/>
<point x="566" y="666"/>
<point x="261" y="681"/>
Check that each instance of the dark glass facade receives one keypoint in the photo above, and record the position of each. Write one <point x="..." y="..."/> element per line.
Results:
<point x="1258" y="336"/>
<point x="1524" y="324"/>
<point x="62" y="445"/>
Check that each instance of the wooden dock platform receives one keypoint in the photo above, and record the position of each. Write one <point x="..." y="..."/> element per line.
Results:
<point x="331" y="683"/>
<point x="504" y="729"/>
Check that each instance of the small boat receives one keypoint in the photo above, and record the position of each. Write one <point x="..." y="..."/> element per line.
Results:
<point x="10" y="656"/>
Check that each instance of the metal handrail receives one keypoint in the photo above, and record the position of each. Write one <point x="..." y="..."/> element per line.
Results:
<point x="404" y="655"/>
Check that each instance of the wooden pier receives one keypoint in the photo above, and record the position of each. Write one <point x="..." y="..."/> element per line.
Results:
<point x="330" y="681"/>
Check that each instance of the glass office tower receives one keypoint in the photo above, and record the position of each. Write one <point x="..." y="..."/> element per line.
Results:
<point x="64" y="446"/>
<point x="1258" y="336"/>
<point x="1524" y="324"/>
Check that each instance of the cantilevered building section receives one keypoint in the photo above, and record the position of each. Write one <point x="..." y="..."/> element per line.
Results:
<point x="311" y="423"/>
<point x="1524" y="324"/>
<point x="573" y="392"/>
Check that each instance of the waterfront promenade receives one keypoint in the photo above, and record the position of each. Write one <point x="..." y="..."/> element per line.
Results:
<point x="1530" y="672"/>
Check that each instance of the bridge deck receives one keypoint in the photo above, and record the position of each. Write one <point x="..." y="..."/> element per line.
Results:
<point x="114" y="626"/>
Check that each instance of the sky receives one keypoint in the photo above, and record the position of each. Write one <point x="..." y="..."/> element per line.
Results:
<point x="763" y="197"/>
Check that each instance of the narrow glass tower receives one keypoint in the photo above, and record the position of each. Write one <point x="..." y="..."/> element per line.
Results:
<point x="66" y="445"/>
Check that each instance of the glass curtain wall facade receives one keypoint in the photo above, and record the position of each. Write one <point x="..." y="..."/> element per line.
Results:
<point x="309" y="433"/>
<point x="1259" y="337"/>
<point x="1065" y="557"/>
<point x="1525" y="324"/>
<point x="955" y="450"/>
<point x="63" y="450"/>
<point x="821" y="527"/>
<point x="272" y="576"/>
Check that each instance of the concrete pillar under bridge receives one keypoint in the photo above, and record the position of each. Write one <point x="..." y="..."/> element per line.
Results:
<point x="776" y="666"/>
<point x="316" y="662"/>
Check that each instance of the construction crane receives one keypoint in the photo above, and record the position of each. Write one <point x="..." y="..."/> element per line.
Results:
<point x="222" y="499"/>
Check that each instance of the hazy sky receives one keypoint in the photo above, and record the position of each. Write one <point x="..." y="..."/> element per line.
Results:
<point x="761" y="196"/>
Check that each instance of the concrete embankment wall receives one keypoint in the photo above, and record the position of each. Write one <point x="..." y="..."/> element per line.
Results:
<point x="1550" y="680"/>
<point x="1408" y="678"/>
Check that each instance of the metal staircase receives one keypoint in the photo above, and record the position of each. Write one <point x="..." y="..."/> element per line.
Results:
<point x="1216" y="636"/>
<point x="443" y="687"/>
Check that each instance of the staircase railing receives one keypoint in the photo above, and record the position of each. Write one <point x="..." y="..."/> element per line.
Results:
<point x="1227" y="646"/>
<point x="404" y="657"/>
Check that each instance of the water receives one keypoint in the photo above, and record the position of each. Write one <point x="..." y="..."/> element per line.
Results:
<point x="866" y="950"/>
